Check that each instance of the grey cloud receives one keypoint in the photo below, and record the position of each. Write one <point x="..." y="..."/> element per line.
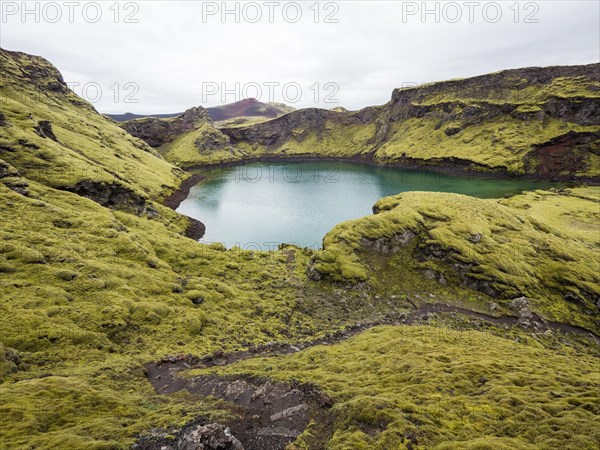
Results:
<point x="171" y="52"/>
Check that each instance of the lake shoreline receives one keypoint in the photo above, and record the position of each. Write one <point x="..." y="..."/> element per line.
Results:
<point x="382" y="181"/>
<point x="453" y="168"/>
<point x="446" y="166"/>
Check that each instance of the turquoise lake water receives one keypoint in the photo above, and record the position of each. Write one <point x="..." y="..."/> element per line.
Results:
<point x="259" y="206"/>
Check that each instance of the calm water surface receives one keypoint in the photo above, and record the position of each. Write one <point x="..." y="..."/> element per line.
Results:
<point x="261" y="205"/>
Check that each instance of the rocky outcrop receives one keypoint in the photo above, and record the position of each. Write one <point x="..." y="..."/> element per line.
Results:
<point x="12" y="179"/>
<point x="388" y="246"/>
<point x="114" y="196"/>
<point x="209" y="437"/>
<point x="39" y="72"/>
<point x="42" y="140"/>
<point x="563" y="156"/>
<point x="10" y="360"/>
<point x="299" y="125"/>
<point x="271" y="414"/>
<point x="195" y="229"/>
<point x="157" y="132"/>
<point x="197" y="435"/>
<point x="44" y="129"/>
<point x="526" y="318"/>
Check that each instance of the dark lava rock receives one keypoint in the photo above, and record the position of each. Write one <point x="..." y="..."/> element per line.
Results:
<point x="197" y="435"/>
<point x="451" y="131"/>
<point x="517" y="304"/>
<point x="114" y="196"/>
<point x="271" y="414"/>
<point x="476" y="238"/>
<point x="195" y="229"/>
<point x="197" y="300"/>
<point x="10" y="360"/>
<point x="7" y="170"/>
<point x="211" y="436"/>
<point x="312" y="272"/>
<point x="19" y="185"/>
<point x="388" y="245"/>
<point x="156" y="132"/>
<point x="12" y="179"/>
<point x="527" y="318"/>
<point x="44" y="129"/>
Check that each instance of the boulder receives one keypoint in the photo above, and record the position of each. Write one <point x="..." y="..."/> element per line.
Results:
<point x="213" y="436"/>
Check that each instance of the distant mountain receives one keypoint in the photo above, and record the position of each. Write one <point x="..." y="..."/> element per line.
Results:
<point x="130" y="116"/>
<point x="249" y="107"/>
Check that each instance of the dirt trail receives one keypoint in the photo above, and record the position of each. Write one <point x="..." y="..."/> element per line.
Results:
<point x="273" y="414"/>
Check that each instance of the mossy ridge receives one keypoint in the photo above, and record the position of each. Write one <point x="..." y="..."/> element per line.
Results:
<point x="204" y="145"/>
<point x="422" y="387"/>
<point x="519" y="91"/>
<point x="500" y="145"/>
<point x="480" y="244"/>
<point x="82" y="146"/>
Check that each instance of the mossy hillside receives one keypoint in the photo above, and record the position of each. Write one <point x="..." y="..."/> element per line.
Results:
<point x="335" y="140"/>
<point x="518" y="90"/>
<point x="203" y="145"/>
<point x="241" y="121"/>
<point x="575" y="212"/>
<point x="476" y="243"/>
<point x="207" y="146"/>
<point x="494" y="124"/>
<point x="86" y="146"/>
<point x="423" y="387"/>
<point x="491" y="123"/>
<point x="89" y="295"/>
<point x="501" y="144"/>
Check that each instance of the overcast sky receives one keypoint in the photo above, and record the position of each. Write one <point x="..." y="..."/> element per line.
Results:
<point x="160" y="57"/>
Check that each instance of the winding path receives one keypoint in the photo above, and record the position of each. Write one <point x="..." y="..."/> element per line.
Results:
<point x="273" y="414"/>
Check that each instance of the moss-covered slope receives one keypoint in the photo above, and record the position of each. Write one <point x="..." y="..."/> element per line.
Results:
<point x="97" y="279"/>
<point x="51" y="135"/>
<point x="90" y="294"/>
<point x="425" y="387"/>
<point x="479" y="244"/>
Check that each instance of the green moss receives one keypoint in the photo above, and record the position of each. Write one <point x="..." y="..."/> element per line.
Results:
<point x="87" y="147"/>
<point x="509" y="251"/>
<point x="95" y="312"/>
<point x="498" y="144"/>
<point x="445" y="389"/>
<point x="91" y="294"/>
<point x="204" y="145"/>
